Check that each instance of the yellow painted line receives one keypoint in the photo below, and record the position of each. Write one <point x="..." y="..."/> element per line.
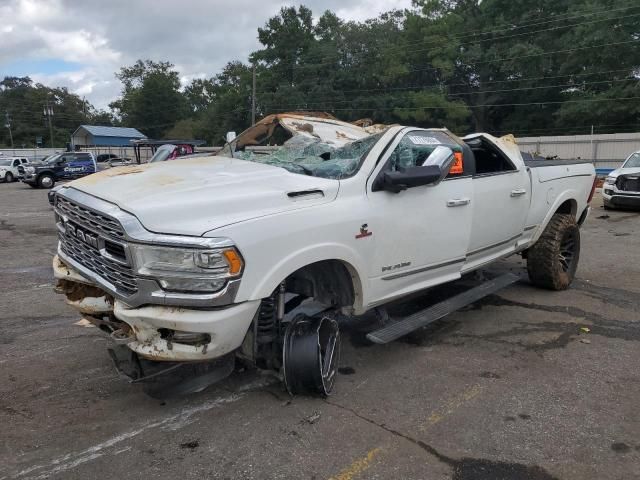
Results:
<point x="358" y="466"/>
<point x="452" y="405"/>
<point x="362" y="464"/>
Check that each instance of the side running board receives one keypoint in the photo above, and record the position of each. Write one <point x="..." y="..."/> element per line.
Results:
<point x="440" y="310"/>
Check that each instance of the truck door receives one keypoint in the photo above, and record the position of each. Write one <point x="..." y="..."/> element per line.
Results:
<point x="78" y="165"/>
<point x="501" y="197"/>
<point x="420" y="235"/>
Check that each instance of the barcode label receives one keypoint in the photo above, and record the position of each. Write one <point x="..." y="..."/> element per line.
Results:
<point x="423" y="140"/>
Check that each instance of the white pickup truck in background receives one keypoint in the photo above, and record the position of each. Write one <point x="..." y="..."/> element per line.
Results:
<point x="215" y="257"/>
<point x="9" y="168"/>
<point x="622" y="186"/>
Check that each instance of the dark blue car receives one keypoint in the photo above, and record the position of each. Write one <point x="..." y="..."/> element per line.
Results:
<point x="63" y="166"/>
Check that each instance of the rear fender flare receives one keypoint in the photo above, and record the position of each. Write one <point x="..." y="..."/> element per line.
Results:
<point x="568" y="195"/>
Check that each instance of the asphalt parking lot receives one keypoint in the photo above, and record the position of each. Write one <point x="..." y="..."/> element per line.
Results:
<point x="526" y="384"/>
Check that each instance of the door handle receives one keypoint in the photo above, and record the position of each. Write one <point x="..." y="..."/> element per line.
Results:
<point x="458" y="202"/>
<point x="518" y="193"/>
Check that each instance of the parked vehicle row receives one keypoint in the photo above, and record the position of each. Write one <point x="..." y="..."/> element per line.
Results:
<point x="62" y="166"/>
<point x="57" y="167"/>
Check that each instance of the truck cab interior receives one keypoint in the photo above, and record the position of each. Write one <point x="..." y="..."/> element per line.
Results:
<point x="488" y="159"/>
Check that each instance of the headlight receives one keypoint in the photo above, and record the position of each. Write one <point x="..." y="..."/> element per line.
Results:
<point x="610" y="180"/>
<point x="29" y="169"/>
<point x="186" y="269"/>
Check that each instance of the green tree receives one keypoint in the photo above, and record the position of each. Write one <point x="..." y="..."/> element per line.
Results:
<point x="24" y="103"/>
<point x="151" y="99"/>
<point x="534" y="67"/>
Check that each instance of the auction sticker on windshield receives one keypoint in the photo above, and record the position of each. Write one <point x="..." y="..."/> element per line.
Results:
<point x="418" y="140"/>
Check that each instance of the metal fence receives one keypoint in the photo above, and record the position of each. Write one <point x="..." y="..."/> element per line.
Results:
<point x="606" y="151"/>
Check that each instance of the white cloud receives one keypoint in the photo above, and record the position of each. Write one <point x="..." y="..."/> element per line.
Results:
<point x="199" y="36"/>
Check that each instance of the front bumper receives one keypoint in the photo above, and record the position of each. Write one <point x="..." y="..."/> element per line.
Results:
<point x="614" y="197"/>
<point x="29" y="178"/>
<point x="226" y="326"/>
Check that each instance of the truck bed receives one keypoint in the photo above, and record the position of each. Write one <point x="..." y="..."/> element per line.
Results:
<point x="553" y="163"/>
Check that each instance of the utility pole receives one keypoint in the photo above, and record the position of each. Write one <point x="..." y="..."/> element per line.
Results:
<point x="593" y="151"/>
<point x="48" y="112"/>
<point x="8" y="125"/>
<point x="253" y="97"/>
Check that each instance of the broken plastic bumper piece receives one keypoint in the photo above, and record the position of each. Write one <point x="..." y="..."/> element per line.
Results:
<point x="159" y="332"/>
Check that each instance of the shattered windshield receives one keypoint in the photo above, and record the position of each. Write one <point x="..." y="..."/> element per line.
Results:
<point x="310" y="156"/>
<point x="633" y="161"/>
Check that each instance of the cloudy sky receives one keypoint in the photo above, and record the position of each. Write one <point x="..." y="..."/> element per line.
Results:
<point x="80" y="44"/>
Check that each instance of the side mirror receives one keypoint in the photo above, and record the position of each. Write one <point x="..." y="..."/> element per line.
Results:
<point x="230" y="137"/>
<point x="433" y="170"/>
<point x="410" y="177"/>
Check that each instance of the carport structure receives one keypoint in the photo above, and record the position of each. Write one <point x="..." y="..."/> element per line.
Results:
<point x="102" y="136"/>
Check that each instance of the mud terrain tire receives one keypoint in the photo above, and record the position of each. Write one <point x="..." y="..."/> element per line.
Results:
<point x="553" y="260"/>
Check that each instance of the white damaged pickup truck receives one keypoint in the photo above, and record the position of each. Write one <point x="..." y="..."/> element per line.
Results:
<point x="248" y="256"/>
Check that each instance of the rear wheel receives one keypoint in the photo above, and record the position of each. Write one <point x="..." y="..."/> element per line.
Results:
<point x="46" y="180"/>
<point x="8" y="178"/>
<point x="553" y="260"/>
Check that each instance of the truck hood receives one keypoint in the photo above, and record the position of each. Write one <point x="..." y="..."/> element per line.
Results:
<point x="194" y="196"/>
<point x="624" y="171"/>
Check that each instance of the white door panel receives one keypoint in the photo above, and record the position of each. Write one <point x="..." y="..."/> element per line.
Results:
<point x="420" y="239"/>
<point x="420" y="235"/>
<point x="500" y="206"/>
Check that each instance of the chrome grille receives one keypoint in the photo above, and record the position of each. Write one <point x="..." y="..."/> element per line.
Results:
<point x="106" y="259"/>
<point x="94" y="221"/>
